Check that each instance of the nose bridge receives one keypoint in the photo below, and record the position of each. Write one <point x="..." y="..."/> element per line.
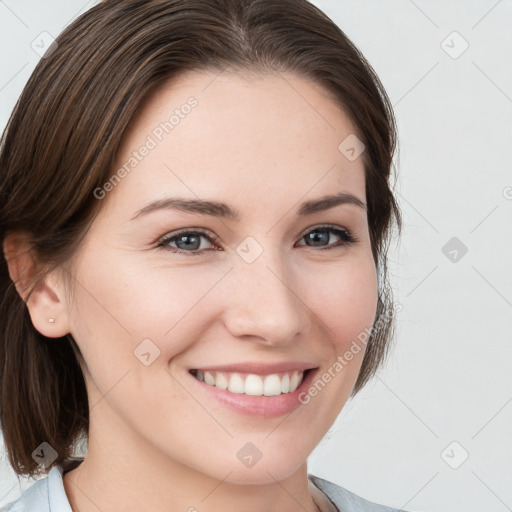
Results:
<point x="265" y="302"/>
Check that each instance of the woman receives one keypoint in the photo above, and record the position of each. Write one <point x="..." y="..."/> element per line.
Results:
<point x="196" y="210"/>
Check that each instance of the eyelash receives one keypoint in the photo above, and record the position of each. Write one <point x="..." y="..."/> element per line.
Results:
<point x="347" y="239"/>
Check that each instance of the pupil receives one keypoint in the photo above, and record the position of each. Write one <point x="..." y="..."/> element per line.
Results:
<point x="315" y="238"/>
<point x="185" y="237"/>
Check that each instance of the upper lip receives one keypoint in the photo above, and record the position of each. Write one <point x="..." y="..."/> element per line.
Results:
<point x="260" y="368"/>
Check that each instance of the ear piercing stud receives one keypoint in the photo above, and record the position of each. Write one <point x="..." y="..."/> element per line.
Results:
<point x="51" y="320"/>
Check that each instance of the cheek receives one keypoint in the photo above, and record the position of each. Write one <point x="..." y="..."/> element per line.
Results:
<point x="344" y="296"/>
<point x="129" y="302"/>
<point x="346" y="307"/>
<point x="352" y="308"/>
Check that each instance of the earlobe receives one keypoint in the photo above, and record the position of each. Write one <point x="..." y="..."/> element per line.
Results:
<point x="43" y="298"/>
<point x="47" y="311"/>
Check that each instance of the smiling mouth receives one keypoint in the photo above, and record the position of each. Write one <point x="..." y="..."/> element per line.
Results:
<point x="253" y="384"/>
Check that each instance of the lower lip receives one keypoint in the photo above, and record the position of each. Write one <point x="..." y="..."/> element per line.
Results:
<point x="260" y="406"/>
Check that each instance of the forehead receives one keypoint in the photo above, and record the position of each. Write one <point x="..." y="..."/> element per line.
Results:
<point x="210" y="134"/>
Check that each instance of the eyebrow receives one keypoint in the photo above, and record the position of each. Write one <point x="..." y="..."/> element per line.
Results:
<point x="222" y="210"/>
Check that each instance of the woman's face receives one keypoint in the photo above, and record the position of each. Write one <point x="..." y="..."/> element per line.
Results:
<point x="273" y="288"/>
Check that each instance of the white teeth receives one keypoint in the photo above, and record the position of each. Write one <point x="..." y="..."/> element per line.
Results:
<point x="294" y="382"/>
<point x="272" y="385"/>
<point x="285" y="384"/>
<point x="236" y="384"/>
<point x="220" y="381"/>
<point x="255" y="385"/>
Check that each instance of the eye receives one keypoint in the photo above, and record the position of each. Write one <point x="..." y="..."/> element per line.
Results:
<point x="323" y="233"/>
<point x="191" y="239"/>
<point x="187" y="239"/>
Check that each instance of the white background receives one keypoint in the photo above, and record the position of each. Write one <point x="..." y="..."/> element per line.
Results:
<point x="448" y="378"/>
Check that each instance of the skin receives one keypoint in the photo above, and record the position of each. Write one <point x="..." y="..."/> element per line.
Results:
<point x="261" y="146"/>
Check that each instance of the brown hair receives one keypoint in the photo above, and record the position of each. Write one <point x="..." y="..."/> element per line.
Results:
<point x="61" y="142"/>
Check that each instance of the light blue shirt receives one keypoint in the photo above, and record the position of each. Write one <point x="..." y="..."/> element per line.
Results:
<point x="48" y="495"/>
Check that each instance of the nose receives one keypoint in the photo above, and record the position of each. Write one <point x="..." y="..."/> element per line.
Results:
<point x="265" y="302"/>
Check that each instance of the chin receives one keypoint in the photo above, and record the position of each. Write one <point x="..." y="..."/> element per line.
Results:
<point x="241" y="477"/>
<point x="261" y="473"/>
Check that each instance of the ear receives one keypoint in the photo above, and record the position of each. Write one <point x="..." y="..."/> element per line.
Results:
<point x="44" y="299"/>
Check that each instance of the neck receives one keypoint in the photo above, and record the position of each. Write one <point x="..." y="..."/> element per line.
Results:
<point x="113" y="477"/>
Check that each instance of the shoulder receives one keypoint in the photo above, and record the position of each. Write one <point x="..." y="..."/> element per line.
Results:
<point x="45" y="495"/>
<point x="35" y="497"/>
<point x="346" y="500"/>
